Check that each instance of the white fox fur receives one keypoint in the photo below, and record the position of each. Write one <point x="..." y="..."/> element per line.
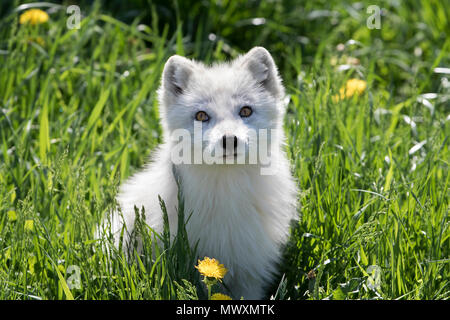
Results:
<point x="239" y="216"/>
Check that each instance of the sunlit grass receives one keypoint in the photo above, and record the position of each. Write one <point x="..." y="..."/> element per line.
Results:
<point x="78" y="114"/>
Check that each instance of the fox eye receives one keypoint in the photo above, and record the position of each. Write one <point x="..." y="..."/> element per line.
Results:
<point x="245" y="112"/>
<point x="201" y="116"/>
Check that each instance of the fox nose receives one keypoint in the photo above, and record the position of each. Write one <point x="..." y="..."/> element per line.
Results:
<point x="228" y="140"/>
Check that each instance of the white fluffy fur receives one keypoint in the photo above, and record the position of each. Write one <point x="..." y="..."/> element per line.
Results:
<point x="240" y="217"/>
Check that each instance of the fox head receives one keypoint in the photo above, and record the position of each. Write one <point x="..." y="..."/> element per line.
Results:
<point x="228" y="103"/>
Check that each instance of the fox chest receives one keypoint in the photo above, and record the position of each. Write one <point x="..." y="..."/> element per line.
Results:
<point x="228" y="224"/>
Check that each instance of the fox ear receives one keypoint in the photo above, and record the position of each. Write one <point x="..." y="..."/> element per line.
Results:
<point x="263" y="69"/>
<point x="176" y="74"/>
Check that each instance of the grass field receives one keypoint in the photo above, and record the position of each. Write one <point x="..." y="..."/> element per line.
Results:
<point x="78" y="115"/>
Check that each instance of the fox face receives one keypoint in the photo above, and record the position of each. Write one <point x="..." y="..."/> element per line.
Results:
<point x="226" y="110"/>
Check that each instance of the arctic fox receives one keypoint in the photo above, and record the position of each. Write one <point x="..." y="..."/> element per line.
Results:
<point x="240" y="215"/>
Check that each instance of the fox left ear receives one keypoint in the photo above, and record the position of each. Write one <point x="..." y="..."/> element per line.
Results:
<point x="263" y="69"/>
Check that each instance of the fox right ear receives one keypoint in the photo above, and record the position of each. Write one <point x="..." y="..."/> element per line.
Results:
<point x="176" y="74"/>
<point x="263" y="69"/>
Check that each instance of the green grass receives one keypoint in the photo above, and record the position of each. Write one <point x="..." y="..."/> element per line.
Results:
<point x="78" y="115"/>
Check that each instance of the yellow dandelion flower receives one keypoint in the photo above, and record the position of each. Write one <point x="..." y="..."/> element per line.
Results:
<point x="352" y="87"/>
<point x="33" y="17"/>
<point x="220" y="296"/>
<point x="211" y="268"/>
<point x="29" y="225"/>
